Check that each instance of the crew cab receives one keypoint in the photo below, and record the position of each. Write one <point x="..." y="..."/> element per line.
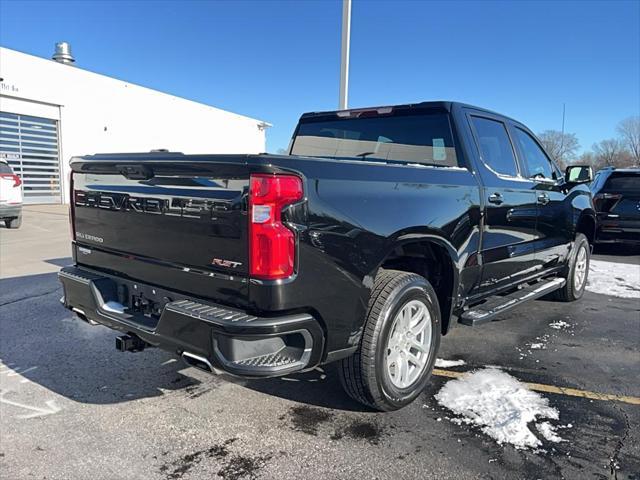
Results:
<point x="381" y="230"/>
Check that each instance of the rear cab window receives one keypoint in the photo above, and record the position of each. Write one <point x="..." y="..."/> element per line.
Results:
<point x="495" y="147"/>
<point x="419" y="137"/>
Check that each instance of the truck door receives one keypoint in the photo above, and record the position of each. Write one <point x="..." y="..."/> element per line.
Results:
<point x="554" y="224"/>
<point x="509" y="220"/>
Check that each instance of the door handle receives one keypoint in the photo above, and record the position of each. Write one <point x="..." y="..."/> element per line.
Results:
<point x="496" y="198"/>
<point x="543" y="199"/>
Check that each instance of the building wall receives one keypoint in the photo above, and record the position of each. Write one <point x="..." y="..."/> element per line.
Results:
<point x="99" y="114"/>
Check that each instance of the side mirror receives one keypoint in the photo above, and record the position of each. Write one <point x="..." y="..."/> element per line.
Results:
<point x="578" y="174"/>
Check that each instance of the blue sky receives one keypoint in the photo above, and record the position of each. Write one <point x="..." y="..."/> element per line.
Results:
<point x="275" y="60"/>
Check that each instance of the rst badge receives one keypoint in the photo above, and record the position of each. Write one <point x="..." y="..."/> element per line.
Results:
<point x="219" y="262"/>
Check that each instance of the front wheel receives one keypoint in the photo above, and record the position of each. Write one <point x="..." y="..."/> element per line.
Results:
<point x="577" y="271"/>
<point x="398" y="348"/>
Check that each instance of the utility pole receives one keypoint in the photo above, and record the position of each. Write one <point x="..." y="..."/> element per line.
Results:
<point x="344" y="54"/>
<point x="562" y="136"/>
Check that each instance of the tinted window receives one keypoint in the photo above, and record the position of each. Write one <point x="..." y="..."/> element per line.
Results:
<point x="423" y="138"/>
<point x="495" y="146"/>
<point x="535" y="160"/>
<point x="4" y="168"/>
<point x="619" y="182"/>
<point x="627" y="207"/>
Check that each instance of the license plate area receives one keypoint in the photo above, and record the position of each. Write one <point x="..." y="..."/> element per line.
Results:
<point x="143" y="299"/>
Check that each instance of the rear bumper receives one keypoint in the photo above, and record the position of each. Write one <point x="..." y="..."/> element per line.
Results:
<point x="615" y="231"/>
<point x="10" y="211"/>
<point x="206" y="335"/>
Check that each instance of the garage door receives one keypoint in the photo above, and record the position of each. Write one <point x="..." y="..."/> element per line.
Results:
<point x="30" y="145"/>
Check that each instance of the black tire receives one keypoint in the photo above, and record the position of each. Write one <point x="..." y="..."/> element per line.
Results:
<point x="13" y="222"/>
<point x="364" y="375"/>
<point x="572" y="292"/>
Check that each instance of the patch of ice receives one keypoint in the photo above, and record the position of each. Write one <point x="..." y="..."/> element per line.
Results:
<point x="560" y="325"/>
<point x="615" y="279"/>
<point x="440" y="363"/>
<point x="500" y="404"/>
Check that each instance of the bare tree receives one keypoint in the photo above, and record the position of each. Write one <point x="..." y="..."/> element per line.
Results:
<point x="562" y="147"/>
<point x="610" y="153"/>
<point x="588" y="158"/>
<point x="629" y="130"/>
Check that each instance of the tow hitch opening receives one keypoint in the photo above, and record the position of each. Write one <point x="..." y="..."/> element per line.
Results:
<point x="130" y="343"/>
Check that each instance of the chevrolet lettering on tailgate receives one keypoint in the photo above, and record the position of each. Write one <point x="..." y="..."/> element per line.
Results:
<point x="173" y="206"/>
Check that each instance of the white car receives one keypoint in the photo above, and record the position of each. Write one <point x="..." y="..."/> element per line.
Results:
<point x="10" y="196"/>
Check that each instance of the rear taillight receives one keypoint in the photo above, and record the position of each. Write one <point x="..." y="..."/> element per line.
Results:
<point x="12" y="176"/>
<point x="604" y="202"/>
<point x="71" y="207"/>
<point x="272" y="246"/>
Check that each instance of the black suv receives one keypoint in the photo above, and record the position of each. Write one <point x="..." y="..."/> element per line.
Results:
<point x="616" y="195"/>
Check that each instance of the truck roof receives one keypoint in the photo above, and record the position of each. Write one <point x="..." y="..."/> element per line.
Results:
<point x="438" y="104"/>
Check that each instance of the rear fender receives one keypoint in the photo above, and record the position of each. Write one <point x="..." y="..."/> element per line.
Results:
<point x="448" y="292"/>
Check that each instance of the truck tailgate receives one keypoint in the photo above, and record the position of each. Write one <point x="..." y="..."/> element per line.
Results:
<point x="165" y="222"/>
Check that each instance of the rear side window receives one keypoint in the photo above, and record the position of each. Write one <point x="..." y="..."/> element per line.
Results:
<point x="420" y="138"/>
<point x="536" y="161"/>
<point x="619" y="182"/>
<point x="495" y="146"/>
<point x="5" y="168"/>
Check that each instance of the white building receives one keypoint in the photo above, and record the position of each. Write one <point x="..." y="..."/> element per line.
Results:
<point x="51" y="111"/>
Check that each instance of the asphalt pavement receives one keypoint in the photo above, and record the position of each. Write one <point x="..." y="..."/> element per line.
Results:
<point x="72" y="407"/>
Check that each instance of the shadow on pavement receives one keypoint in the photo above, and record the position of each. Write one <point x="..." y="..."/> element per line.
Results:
<point x="44" y="343"/>
<point x="320" y="387"/>
<point x="60" y="262"/>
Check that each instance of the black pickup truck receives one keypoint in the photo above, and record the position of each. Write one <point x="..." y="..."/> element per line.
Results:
<point x="382" y="229"/>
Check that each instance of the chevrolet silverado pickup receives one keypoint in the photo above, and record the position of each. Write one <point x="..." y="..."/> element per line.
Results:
<point x="380" y="230"/>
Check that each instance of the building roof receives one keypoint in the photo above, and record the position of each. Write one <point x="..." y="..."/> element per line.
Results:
<point x="66" y="68"/>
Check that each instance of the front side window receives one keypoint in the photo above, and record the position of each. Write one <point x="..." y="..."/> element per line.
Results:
<point x="423" y="138"/>
<point x="536" y="161"/>
<point x="495" y="146"/>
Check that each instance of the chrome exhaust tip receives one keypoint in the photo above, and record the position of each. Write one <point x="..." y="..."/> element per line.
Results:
<point x="82" y="316"/>
<point x="197" y="361"/>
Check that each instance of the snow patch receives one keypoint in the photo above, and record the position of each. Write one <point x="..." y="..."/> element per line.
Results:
<point x="548" y="431"/>
<point x="615" y="279"/>
<point x="440" y="363"/>
<point x="536" y="346"/>
<point x="500" y="404"/>
<point x="560" y="325"/>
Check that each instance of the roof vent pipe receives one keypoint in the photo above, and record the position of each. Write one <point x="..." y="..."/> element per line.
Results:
<point x="63" y="53"/>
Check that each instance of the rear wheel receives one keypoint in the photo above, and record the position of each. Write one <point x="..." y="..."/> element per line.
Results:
<point x="13" y="222"/>
<point x="577" y="271"/>
<point x="398" y="348"/>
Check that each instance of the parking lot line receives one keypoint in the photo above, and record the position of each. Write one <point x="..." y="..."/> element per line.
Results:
<point x="541" y="387"/>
